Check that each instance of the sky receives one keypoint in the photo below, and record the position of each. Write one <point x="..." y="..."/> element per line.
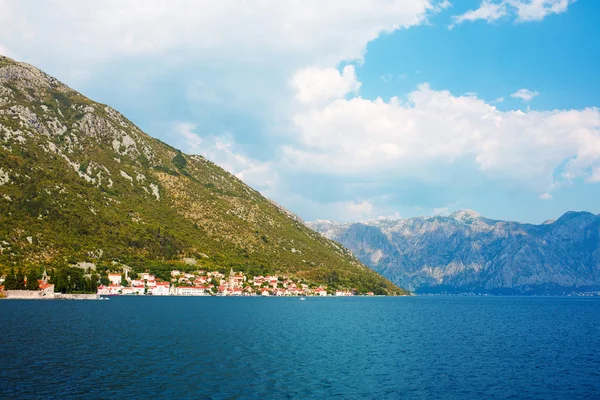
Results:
<point x="348" y="110"/>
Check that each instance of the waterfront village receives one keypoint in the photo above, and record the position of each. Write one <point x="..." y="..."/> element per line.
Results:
<point x="212" y="283"/>
<point x="181" y="283"/>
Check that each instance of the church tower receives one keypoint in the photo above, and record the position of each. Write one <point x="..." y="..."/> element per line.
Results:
<point x="231" y="281"/>
<point x="45" y="276"/>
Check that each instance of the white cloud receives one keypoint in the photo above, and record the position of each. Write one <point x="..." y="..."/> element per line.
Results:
<point x="524" y="10"/>
<point x="487" y="11"/>
<point x="536" y="10"/>
<point x="318" y="85"/>
<point x="223" y="151"/>
<point x="251" y="49"/>
<point x="355" y="137"/>
<point x="498" y="100"/>
<point x="546" y="196"/>
<point x="186" y="139"/>
<point x="238" y="55"/>
<point x="524" y="94"/>
<point x="311" y="30"/>
<point x="358" y="211"/>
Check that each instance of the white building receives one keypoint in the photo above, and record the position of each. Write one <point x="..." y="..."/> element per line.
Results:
<point x="137" y="282"/>
<point x="115" y="279"/>
<point x="192" y="291"/>
<point x="139" y="289"/>
<point x="161" y="289"/>
<point x="146" y="276"/>
<point x="109" y="290"/>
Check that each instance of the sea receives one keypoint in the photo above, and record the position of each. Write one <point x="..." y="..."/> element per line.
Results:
<point x="283" y="348"/>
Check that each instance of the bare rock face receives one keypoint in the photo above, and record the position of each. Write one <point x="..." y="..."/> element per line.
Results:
<point x="466" y="252"/>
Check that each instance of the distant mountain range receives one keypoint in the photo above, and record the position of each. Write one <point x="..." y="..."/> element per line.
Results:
<point x="81" y="183"/>
<point x="465" y="252"/>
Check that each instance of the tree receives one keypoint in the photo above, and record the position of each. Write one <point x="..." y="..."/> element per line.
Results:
<point x="179" y="160"/>
<point x="94" y="283"/>
<point x="32" y="283"/>
<point x="72" y="280"/>
<point x="10" y="283"/>
<point x="20" y="280"/>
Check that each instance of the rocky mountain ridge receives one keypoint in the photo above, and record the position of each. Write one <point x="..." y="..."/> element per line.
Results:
<point x="466" y="252"/>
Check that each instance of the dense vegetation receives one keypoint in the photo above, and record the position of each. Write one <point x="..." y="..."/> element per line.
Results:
<point x="65" y="280"/>
<point x="80" y="183"/>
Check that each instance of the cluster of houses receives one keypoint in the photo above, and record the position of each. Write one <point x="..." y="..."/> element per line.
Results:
<point x="144" y="284"/>
<point x="212" y="283"/>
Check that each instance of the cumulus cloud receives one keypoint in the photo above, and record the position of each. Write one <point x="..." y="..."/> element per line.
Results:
<point x="272" y="48"/>
<point x="524" y="94"/>
<point x="312" y="30"/>
<point x="523" y="10"/>
<point x="317" y="85"/>
<point x="546" y="196"/>
<point x="432" y="128"/>
<point x="237" y="55"/>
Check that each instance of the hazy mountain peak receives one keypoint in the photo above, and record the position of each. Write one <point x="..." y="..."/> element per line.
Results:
<point x="465" y="215"/>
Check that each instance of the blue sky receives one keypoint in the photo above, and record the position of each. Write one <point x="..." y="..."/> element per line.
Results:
<point x="351" y="110"/>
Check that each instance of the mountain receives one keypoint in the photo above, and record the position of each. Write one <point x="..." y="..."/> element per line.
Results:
<point x="81" y="183"/>
<point x="465" y="252"/>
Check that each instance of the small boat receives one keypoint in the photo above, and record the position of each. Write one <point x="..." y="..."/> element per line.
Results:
<point x="103" y="298"/>
<point x="302" y="298"/>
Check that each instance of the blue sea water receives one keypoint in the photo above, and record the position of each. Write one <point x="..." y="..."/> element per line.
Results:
<point x="271" y="348"/>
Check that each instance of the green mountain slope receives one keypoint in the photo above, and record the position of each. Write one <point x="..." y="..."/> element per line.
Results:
<point x="79" y="182"/>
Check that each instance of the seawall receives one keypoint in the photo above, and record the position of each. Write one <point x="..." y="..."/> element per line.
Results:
<point x="91" y="296"/>
<point x="40" y="295"/>
<point x="26" y="294"/>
